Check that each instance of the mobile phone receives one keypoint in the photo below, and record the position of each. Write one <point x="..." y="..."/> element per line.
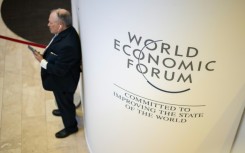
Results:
<point x="31" y="48"/>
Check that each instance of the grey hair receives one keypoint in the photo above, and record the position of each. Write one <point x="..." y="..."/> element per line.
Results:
<point x="64" y="16"/>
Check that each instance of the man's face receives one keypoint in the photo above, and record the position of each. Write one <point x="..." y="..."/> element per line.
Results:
<point x="53" y="23"/>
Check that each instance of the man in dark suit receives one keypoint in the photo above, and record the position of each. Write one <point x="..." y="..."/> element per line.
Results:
<point x="60" y="68"/>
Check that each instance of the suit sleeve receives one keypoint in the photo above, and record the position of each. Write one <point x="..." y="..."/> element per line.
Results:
<point x="62" y="63"/>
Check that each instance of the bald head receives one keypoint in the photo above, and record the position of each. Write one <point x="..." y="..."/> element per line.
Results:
<point x="59" y="20"/>
<point x="63" y="16"/>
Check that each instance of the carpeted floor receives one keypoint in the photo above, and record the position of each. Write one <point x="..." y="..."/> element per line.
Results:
<point x="29" y="18"/>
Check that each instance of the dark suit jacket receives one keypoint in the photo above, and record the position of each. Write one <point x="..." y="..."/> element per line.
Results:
<point x="64" y="60"/>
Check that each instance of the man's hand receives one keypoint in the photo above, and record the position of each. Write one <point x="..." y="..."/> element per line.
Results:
<point x="38" y="56"/>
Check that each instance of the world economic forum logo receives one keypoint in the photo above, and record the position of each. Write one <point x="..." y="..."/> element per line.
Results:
<point x="166" y="67"/>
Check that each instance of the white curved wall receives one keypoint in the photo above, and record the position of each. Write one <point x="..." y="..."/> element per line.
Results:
<point x="238" y="146"/>
<point x="115" y="121"/>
